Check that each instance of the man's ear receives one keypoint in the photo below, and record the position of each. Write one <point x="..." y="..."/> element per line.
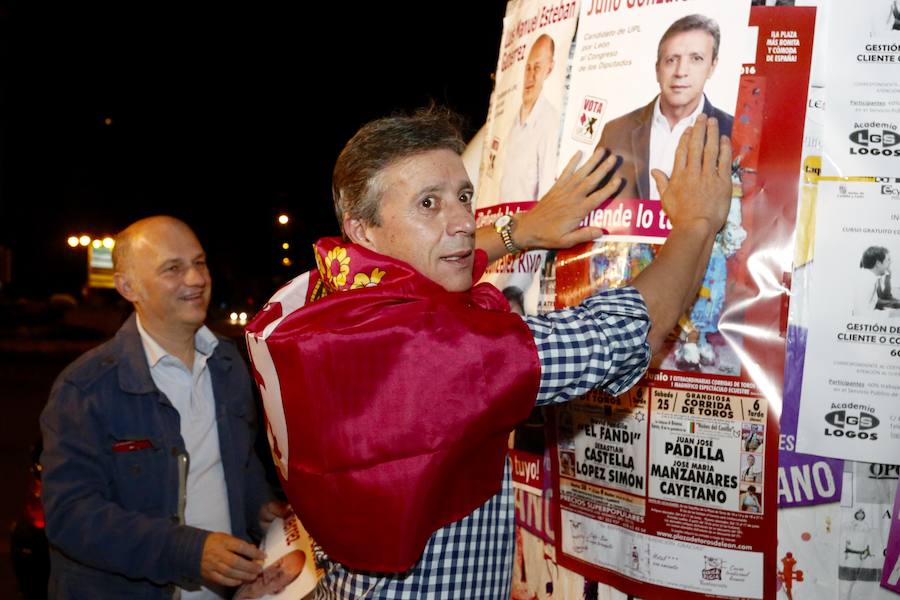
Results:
<point x="359" y="232"/>
<point x="713" y="70"/>
<point x="125" y="286"/>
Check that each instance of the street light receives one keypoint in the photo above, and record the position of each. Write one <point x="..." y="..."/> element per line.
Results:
<point x="72" y="241"/>
<point x="283" y="219"/>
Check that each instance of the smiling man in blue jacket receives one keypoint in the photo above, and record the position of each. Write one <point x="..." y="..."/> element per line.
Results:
<point x="151" y="485"/>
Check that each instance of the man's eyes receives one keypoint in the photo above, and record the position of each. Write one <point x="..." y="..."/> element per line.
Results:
<point x="433" y="201"/>
<point x="177" y="268"/>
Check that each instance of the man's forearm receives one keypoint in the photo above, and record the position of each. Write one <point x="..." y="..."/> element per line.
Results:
<point x="488" y="240"/>
<point x="670" y="283"/>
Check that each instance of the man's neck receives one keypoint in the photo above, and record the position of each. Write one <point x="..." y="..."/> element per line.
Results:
<point x="674" y="114"/>
<point x="526" y="110"/>
<point x="178" y="342"/>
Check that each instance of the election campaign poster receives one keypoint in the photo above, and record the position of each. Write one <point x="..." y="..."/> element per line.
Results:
<point x="862" y="133"/>
<point x="290" y="570"/>
<point x="674" y="485"/>
<point x="633" y="92"/>
<point x="519" y="155"/>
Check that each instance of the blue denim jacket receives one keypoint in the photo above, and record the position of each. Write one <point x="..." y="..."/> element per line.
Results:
<point x="112" y="516"/>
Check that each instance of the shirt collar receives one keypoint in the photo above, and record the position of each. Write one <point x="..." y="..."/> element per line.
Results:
<point x="205" y="341"/>
<point x="532" y="117"/>
<point x="660" y="119"/>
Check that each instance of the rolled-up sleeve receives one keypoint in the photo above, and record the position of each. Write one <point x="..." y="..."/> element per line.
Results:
<point x="601" y="343"/>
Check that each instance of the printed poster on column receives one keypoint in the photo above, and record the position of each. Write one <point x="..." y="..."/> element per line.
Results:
<point x="519" y="157"/>
<point x="809" y="487"/>
<point x="862" y="133"/>
<point x="674" y="485"/>
<point x="850" y="401"/>
<point x="625" y="100"/>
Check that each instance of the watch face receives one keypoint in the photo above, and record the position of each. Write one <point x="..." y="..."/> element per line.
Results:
<point x="502" y="222"/>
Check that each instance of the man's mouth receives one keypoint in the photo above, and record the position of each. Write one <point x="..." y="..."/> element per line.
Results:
<point x="192" y="297"/>
<point x="459" y="257"/>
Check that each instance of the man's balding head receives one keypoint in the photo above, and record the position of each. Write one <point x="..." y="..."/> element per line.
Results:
<point x="143" y="232"/>
<point x="160" y="267"/>
<point x="537" y="68"/>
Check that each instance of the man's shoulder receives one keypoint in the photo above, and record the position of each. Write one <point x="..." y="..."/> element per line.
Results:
<point x="93" y="366"/>
<point x="545" y="109"/>
<point x="102" y="365"/>
<point x="726" y="121"/>
<point x="628" y="121"/>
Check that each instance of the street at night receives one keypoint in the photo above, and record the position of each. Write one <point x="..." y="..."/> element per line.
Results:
<point x="223" y="118"/>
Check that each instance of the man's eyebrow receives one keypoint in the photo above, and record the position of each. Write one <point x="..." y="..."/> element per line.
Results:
<point x="437" y="187"/>
<point x="428" y="189"/>
<point x="177" y="261"/>
<point x="169" y="262"/>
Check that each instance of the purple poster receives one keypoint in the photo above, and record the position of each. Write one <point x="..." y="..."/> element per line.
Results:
<point x="803" y="479"/>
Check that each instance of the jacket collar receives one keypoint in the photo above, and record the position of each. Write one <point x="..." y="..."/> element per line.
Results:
<point x="133" y="370"/>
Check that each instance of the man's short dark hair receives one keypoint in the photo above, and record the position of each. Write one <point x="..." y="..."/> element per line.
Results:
<point x="355" y="184"/>
<point x="692" y="23"/>
<point x="873" y="255"/>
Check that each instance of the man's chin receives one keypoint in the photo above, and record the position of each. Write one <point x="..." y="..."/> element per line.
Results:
<point x="458" y="282"/>
<point x="195" y="317"/>
<point x="677" y="100"/>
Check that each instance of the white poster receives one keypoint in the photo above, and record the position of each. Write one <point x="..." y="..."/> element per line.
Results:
<point x="862" y="133"/>
<point x="850" y="401"/>
<point x="519" y="157"/>
<point x="808" y="552"/>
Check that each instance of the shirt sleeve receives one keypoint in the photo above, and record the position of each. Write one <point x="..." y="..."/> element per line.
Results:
<point x="601" y="343"/>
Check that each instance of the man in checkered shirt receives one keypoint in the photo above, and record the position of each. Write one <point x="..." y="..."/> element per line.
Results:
<point x="401" y="190"/>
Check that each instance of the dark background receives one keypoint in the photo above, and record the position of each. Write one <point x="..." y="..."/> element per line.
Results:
<point x="223" y="117"/>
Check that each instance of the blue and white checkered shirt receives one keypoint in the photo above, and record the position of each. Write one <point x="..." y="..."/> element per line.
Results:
<point x="602" y="343"/>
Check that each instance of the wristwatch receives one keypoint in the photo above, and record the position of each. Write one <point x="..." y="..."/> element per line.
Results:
<point x="504" y="226"/>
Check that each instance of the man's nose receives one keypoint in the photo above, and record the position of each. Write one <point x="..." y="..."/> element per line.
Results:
<point x="196" y="276"/>
<point x="461" y="220"/>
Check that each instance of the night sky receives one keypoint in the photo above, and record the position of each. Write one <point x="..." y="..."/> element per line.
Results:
<point x="220" y="117"/>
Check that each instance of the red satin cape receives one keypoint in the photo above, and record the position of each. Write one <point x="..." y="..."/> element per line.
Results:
<point x="398" y="398"/>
